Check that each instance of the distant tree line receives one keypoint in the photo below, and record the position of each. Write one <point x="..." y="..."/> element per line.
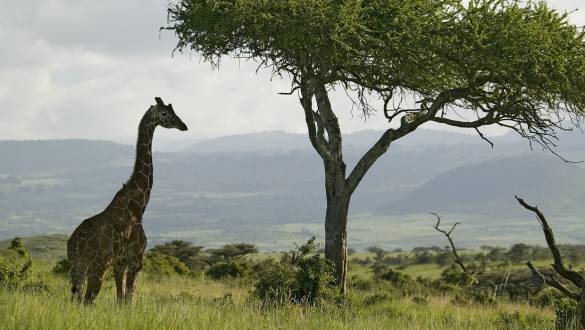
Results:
<point x="517" y="253"/>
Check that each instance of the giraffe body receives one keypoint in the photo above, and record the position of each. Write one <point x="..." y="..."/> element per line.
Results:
<point x="115" y="236"/>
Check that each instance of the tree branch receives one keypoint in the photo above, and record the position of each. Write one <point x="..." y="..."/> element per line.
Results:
<point x="328" y="118"/>
<point x="484" y="137"/>
<point x="407" y="125"/>
<point x="447" y="234"/>
<point x="315" y="133"/>
<point x="552" y="281"/>
<point x="558" y="265"/>
<point x="489" y="119"/>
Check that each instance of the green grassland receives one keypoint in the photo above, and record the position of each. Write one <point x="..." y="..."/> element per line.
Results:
<point x="176" y="303"/>
<point x="196" y="302"/>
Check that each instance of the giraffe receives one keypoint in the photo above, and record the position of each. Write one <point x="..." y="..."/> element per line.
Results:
<point x="115" y="236"/>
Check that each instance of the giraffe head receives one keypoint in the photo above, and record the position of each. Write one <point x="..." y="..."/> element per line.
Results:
<point x="165" y="116"/>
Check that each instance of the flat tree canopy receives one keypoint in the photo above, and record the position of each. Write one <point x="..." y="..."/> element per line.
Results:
<point x="473" y="64"/>
<point x="515" y="65"/>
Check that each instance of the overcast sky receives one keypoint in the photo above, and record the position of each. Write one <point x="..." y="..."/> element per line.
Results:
<point x="89" y="69"/>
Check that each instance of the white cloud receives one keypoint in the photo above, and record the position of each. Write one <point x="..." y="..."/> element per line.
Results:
<point x="89" y="69"/>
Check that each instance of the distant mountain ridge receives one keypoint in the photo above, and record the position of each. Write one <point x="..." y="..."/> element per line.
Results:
<point x="490" y="186"/>
<point x="42" y="155"/>
<point x="254" y="183"/>
<point x="283" y="141"/>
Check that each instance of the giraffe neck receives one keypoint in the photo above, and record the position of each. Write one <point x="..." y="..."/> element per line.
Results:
<point x="143" y="168"/>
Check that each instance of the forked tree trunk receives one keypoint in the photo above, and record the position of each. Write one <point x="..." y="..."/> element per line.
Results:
<point x="325" y="136"/>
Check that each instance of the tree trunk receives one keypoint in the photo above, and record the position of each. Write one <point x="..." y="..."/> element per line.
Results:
<point x="580" y="319"/>
<point x="336" y="237"/>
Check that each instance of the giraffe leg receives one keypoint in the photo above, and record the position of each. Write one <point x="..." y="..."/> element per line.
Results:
<point x="95" y="277"/>
<point x="133" y="270"/>
<point x="77" y="274"/>
<point x="120" y="268"/>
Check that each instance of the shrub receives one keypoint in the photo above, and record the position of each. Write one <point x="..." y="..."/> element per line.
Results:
<point x="160" y="264"/>
<point x="232" y="251"/>
<point x="35" y="286"/>
<point x="301" y="277"/>
<point x="455" y="276"/>
<point x="377" y="298"/>
<point x="261" y="267"/>
<point x="403" y="283"/>
<point x="14" y="272"/>
<point x="361" y="284"/>
<point x="62" y="267"/>
<point x="228" y="269"/>
<point x="190" y="255"/>
<point x="17" y="246"/>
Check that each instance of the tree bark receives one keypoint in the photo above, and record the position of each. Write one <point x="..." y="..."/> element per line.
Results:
<point x="336" y="235"/>
<point x="580" y="319"/>
<point x="325" y="136"/>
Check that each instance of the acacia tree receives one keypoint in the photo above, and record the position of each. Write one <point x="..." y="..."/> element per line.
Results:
<point x="487" y="62"/>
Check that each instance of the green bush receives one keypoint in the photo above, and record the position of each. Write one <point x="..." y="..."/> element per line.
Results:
<point x="17" y="246"/>
<point x="565" y="308"/>
<point x="377" y="298"/>
<point x="62" y="267"/>
<point x="229" y="269"/>
<point x="190" y="255"/>
<point x="403" y="283"/>
<point x="232" y="251"/>
<point x="164" y="265"/>
<point x="14" y="272"/>
<point x="455" y="276"/>
<point x="300" y="277"/>
<point x="261" y="267"/>
<point x="361" y="284"/>
<point x="551" y="297"/>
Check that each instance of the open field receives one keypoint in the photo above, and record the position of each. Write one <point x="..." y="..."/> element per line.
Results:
<point x="177" y="303"/>
<point x="198" y="302"/>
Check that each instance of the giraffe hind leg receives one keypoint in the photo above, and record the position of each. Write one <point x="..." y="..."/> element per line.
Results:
<point x="77" y="275"/>
<point x="95" y="278"/>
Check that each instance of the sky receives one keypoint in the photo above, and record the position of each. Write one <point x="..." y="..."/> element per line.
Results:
<point x="89" y="69"/>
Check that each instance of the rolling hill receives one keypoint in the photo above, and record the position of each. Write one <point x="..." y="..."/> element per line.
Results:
<point x="489" y="188"/>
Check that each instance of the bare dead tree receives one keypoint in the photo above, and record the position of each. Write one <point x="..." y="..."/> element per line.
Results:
<point x="448" y="234"/>
<point x="577" y="279"/>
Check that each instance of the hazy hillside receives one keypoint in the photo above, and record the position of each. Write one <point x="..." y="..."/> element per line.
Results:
<point x="282" y="141"/>
<point x="489" y="187"/>
<point x="268" y="187"/>
<point x="44" y="156"/>
<point x="47" y="247"/>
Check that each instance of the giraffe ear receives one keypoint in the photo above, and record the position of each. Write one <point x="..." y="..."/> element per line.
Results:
<point x="159" y="101"/>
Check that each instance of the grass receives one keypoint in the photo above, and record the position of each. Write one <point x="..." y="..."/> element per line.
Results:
<point x="187" y="303"/>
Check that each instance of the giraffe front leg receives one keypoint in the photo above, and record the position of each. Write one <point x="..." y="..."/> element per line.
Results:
<point x="133" y="270"/>
<point x="120" y="269"/>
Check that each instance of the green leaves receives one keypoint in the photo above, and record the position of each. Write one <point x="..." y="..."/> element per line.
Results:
<point x="522" y="63"/>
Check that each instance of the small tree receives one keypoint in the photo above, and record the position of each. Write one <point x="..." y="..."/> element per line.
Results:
<point x="463" y="64"/>
<point x="300" y="277"/>
<point x="186" y="252"/>
<point x="17" y="246"/>
<point x="233" y="251"/>
<point x="573" y="277"/>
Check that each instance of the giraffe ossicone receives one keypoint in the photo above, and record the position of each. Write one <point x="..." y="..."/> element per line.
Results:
<point x="115" y="236"/>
